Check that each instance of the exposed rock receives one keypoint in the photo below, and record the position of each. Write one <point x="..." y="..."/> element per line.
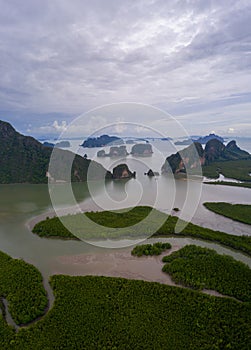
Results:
<point x="142" y="149"/>
<point x="235" y="150"/>
<point x="194" y="156"/>
<point x="115" y="151"/>
<point x="101" y="153"/>
<point x="191" y="157"/>
<point x="152" y="173"/>
<point x="122" y="171"/>
<point x="214" y="150"/>
<point x="120" y="151"/>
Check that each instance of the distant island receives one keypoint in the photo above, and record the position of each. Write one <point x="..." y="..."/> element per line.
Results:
<point x="203" y="140"/>
<point x="186" y="142"/>
<point x="102" y="141"/>
<point x="142" y="150"/>
<point x="115" y="151"/>
<point x="166" y="139"/>
<point x="130" y="142"/>
<point x="25" y="160"/>
<point x="63" y="144"/>
<point x="194" y="156"/>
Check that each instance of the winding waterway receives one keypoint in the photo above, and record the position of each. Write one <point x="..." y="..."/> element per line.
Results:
<point x="21" y="203"/>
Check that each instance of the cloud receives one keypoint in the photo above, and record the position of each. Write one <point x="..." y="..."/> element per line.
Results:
<point x="64" y="57"/>
<point x="52" y="129"/>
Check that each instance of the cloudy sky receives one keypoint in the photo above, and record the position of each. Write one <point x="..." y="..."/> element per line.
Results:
<point x="61" y="58"/>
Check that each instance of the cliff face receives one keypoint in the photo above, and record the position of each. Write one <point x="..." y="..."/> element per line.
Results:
<point x="191" y="157"/>
<point x="194" y="156"/>
<point x="122" y="171"/>
<point x="25" y="160"/>
<point x="214" y="150"/>
<point x="142" y="149"/>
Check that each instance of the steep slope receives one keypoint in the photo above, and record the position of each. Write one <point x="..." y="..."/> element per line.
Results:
<point x="191" y="157"/>
<point x="194" y="156"/>
<point x="25" y="160"/>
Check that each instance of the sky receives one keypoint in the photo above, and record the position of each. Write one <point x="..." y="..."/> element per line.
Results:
<point x="61" y="58"/>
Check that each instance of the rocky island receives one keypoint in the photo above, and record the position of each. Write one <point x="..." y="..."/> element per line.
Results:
<point x="152" y="173"/>
<point x="142" y="150"/>
<point x="115" y="151"/>
<point x="102" y="141"/>
<point x="122" y="171"/>
<point x="194" y="156"/>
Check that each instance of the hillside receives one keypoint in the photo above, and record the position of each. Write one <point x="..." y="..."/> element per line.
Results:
<point x="195" y="156"/>
<point x="25" y="160"/>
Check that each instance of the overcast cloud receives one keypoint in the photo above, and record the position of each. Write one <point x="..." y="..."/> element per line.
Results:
<point x="60" y="58"/>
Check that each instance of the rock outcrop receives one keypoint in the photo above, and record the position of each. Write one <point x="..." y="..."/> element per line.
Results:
<point x="194" y="156"/>
<point x="120" y="151"/>
<point x="142" y="150"/>
<point x="151" y="173"/>
<point x="122" y="171"/>
<point x="115" y="151"/>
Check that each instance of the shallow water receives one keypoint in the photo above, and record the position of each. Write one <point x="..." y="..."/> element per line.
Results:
<point x="19" y="204"/>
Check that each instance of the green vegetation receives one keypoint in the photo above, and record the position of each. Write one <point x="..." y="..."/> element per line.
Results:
<point x="6" y="334"/>
<point x="21" y="285"/>
<point x="151" y="249"/>
<point x="114" y="313"/>
<point x="237" y="169"/>
<point x="216" y="158"/>
<point x="25" y="160"/>
<point x="228" y="183"/>
<point x="203" y="268"/>
<point x="237" y="212"/>
<point x="54" y="228"/>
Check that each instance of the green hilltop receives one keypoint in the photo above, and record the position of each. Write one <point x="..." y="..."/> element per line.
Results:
<point x="25" y="160"/>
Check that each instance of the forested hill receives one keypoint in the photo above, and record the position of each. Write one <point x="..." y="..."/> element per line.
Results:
<point x="25" y="160"/>
<point x="195" y="156"/>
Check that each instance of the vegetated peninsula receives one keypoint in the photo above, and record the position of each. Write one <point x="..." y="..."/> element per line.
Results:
<point x="25" y="160"/>
<point x="237" y="212"/>
<point x="54" y="228"/>
<point x="102" y="141"/>
<point x="194" y="156"/>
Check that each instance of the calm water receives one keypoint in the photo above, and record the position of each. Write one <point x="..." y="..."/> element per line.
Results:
<point x="21" y="203"/>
